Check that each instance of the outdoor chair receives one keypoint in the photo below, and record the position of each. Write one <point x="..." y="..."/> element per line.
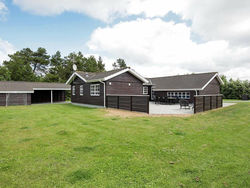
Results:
<point x="185" y="104"/>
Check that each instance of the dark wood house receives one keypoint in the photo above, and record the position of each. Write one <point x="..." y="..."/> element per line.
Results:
<point x="26" y="93"/>
<point x="98" y="88"/>
<point x="185" y="86"/>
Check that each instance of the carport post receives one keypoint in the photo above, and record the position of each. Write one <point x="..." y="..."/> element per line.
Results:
<point x="51" y="96"/>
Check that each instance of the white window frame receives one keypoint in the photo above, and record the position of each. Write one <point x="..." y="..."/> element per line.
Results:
<point x="145" y="90"/>
<point x="81" y="90"/>
<point x="74" y="90"/>
<point x="94" y="89"/>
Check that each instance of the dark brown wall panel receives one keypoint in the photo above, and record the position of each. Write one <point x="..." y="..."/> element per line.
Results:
<point x="17" y="99"/>
<point x="125" y="102"/>
<point x="133" y="103"/>
<point x="112" y="101"/>
<point x="86" y="98"/>
<point x="204" y="103"/>
<point x="2" y="99"/>
<point x="120" y="85"/>
<point x="212" y="88"/>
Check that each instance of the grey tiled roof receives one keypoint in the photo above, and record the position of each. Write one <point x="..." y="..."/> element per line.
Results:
<point x="97" y="75"/>
<point x="29" y="86"/>
<point x="189" y="81"/>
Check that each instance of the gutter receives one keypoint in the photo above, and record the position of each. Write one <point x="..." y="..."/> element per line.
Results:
<point x="104" y="93"/>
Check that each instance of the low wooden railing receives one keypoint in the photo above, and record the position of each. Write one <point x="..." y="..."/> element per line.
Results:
<point x="207" y="102"/>
<point x="139" y="103"/>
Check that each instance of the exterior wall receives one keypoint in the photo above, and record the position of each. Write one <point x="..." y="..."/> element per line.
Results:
<point x="164" y="94"/>
<point x="120" y="85"/>
<point x="2" y="99"/>
<point x="212" y="88"/>
<point x="15" y="99"/>
<point x="86" y="98"/>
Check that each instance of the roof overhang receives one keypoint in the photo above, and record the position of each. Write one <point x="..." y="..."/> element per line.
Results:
<point x="192" y="89"/>
<point x="215" y="76"/>
<point x="66" y="89"/>
<point x="72" y="77"/>
<point x="134" y="73"/>
<point x="16" y="91"/>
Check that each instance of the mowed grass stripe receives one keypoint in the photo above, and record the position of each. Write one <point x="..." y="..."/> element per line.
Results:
<point x="71" y="146"/>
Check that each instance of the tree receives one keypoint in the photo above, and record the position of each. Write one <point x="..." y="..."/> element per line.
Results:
<point x="100" y="65"/>
<point x="19" y="66"/>
<point x="119" y="64"/>
<point x="56" y="71"/>
<point x="39" y="61"/>
<point x="235" y="89"/>
<point x="4" y="74"/>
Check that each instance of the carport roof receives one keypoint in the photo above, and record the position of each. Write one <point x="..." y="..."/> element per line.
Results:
<point x="29" y="87"/>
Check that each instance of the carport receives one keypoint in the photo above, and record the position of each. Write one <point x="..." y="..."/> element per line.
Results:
<point x="26" y="93"/>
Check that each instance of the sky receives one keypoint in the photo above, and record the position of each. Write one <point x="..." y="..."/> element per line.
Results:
<point x="155" y="37"/>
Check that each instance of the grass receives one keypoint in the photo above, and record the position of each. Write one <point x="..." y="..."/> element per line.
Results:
<point x="70" y="146"/>
<point x="234" y="100"/>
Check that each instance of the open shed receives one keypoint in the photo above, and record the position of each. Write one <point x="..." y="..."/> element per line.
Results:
<point x="26" y="93"/>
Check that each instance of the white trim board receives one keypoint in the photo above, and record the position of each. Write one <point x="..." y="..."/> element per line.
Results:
<point x="109" y="77"/>
<point x="16" y="91"/>
<point x="73" y="76"/>
<point x="52" y="89"/>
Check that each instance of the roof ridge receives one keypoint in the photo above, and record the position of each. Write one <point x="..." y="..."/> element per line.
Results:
<point x="184" y="75"/>
<point x="103" y="71"/>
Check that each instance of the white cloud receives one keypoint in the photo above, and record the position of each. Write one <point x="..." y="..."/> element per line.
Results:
<point x="3" y="10"/>
<point x="155" y="47"/>
<point x="104" y="10"/>
<point x="5" y="49"/>
<point x="151" y="43"/>
<point x="211" y="19"/>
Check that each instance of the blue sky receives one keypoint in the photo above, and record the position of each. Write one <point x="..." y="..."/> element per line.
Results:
<point x="66" y="32"/>
<point x="155" y="37"/>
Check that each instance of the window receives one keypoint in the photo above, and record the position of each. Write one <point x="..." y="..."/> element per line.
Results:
<point x="81" y="90"/>
<point x="73" y="90"/>
<point x="95" y="90"/>
<point x="145" y="90"/>
<point x="181" y="95"/>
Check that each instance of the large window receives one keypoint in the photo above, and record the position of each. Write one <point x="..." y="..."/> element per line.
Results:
<point x="73" y="90"/>
<point x="145" y="90"/>
<point x="180" y="95"/>
<point x="95" y="90"/>
<point x="81" y="90"/>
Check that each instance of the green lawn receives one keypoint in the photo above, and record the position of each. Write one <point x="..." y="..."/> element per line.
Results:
<point x="234" y="100"/>
<point x="69" y="146"/>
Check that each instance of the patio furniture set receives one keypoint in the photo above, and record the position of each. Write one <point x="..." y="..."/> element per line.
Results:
<point x="172" y="100"/>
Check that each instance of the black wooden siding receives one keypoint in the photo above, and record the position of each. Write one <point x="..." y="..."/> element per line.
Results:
<point x="15" y="99"/>
<point x="132" y="103"/>
<point x="120" y="85"/>
<point x="86" y="98"/>
<point x="208" y="102"/>
<point x="123" y="84"/>
<point x="2" y="99"/>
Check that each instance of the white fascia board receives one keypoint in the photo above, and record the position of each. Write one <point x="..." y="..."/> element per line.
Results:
<point x="217" y="76"/>
<point x="73" y="76"/>
<point x="127" y="70"/>
<point x="52" y="89"/>
<point x="16" y="91"/>
<point x="115" y="74"/>
<point x="138" y="76"/>
<point x="192" y="89"/>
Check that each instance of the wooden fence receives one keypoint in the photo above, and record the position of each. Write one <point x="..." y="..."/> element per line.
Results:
<point x="138" y="103"/>
<point x="207" y="102"/>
